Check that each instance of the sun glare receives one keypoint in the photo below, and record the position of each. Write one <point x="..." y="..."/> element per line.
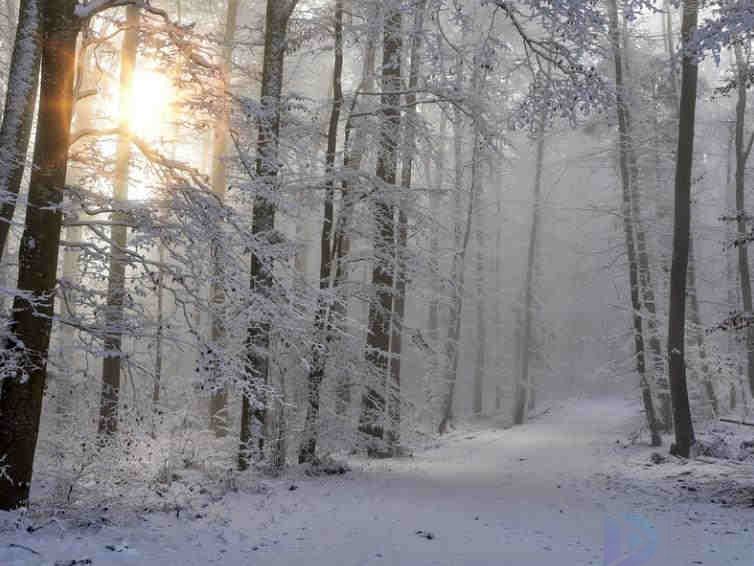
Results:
<point x="148" y="112"/>
<point x="149" y="108"/>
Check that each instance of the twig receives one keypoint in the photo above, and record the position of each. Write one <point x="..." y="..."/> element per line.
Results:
<point x="732" y="421"/>
<point x="21" y="546"/>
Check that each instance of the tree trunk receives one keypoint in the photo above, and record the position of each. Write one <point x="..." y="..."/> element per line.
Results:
<point x="116" y="283"/>
<point x="354" y="146"/>
<point x="458" y="273"/>
<point x="401" y="282"/>
<point x="263" y="221"/>
<point x="628" y="228"/>
<point x="742" y="155"/>
<point x="158" y="362"/>
<point x="20" y="99"/>
<point x="219" y="400"/>
<point x="697" y="332"/>
<point x="478" y="85"/>
<point x="371" y="420"/>
<point x="655" y="357"/>
<point x="23" y="387"/>
<point x="731" y="267"/>
<point x="499" y="340"/>
<point x="684" y="429"/>
<point x="66" y="394"/>
<point x="524" y="382"/>
<point x="433" y="319"/>
<point x="308" y="448"/>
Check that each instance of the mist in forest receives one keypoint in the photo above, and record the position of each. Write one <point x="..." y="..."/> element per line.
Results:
<point x="392" y="275"/>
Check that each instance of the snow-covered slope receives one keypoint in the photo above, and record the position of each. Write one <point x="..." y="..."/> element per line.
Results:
<point x="544" y="494"/>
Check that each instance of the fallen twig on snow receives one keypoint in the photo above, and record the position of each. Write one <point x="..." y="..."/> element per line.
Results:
<point x="732" y="421"/>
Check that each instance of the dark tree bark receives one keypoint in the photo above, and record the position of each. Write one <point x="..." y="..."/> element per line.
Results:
<point x="20" y="99"/>
<point x="743" y="149"/>
<point x="401" y="282"/>
<point x="354" y="146"/>
<point x="682" y="424"/>
<point x="263" y="220"/>
<point x="308" y="449"/>
<point x="624" y="160"/>
<point x="23" y="388"/>
<point x="371" y="420"/>
<point x="116" y="283"/>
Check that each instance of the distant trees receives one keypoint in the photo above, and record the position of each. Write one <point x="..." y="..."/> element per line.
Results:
<point x="201" y="292"/>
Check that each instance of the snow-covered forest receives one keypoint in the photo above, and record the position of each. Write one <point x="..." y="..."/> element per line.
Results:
<point x="413" y="282"/>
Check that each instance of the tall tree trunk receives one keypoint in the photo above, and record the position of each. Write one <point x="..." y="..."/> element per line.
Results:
<point x="158" y="340"/>
<point x="23" y="387"/>
<point x="354" y="147"/>
<point x="742" y="154"/>
<point x="697" y="332"/>
<point x="481" y="328"/>
<point x="401" y="282"/>
<point x="478" y="85"/>
<point x="308" y="448"/>
<point x="20" y="99"/>
<point x="729" y="197"/>
<point x="629" y="226"/>
<point x="219" y="400"/>
<point x="682" y="424"/>
<point x="116" y="283"/>
<point x="499" y="349"/>
<point x="462" y="235"/>
<point x="655" y="357"/>
<point x="263" y="220"/>
<point x="433" y="319"/>
<point x="524" y="382"/>
<point x="83" y="115"/>
<point x="371" y="420"/>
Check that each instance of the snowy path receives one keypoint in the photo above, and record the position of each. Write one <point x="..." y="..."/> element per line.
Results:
<point x="536" y="495"/>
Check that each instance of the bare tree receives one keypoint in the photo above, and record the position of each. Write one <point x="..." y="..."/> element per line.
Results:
<point x="308" y="448"/>
<point x="524" y="381"/>
<point x="116" y="283"/>
<point x="743" y="150"/>
<point x="20" y="99"/>
<point x="371" y="420"/>
<point x="682" y="424"/>
<point x="629" y="218"/>
<point x="267" y="168"/>
<point x="25" y="359"/>
<point x="219" y="400"/>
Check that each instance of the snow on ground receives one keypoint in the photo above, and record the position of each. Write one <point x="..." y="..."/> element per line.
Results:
<point x="547" y="493"/>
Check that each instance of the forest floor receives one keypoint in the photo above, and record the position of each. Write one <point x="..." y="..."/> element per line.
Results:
<point x="566" y="489"/>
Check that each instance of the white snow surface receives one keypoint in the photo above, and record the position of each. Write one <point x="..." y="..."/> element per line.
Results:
<point x="538" y="495"/>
